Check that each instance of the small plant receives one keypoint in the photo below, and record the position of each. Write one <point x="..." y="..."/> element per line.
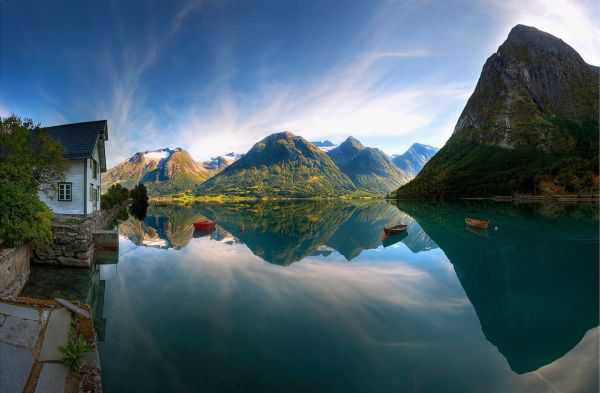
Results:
<point x="73" y="352"/>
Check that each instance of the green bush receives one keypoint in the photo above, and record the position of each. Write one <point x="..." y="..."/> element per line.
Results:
<point x="30" y="162"/>
<point x="23" y="217"/>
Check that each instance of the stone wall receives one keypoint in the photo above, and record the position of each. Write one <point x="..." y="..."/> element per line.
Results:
<point x="73" y="238"/>
<point x="14" y="270"/>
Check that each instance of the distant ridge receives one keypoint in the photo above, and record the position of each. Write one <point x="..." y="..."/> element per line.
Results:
<point x="163" y="171"/>
<point x="414" y="159"/>
<point x="369" y="168"/>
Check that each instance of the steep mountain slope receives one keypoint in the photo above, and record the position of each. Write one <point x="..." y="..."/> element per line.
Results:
<point x="531" y="126"/>
<point x="281" y="165"/>
<point x="369" y="169"/>
<point x="414" y="159"/>
<point x="163" y="172"/>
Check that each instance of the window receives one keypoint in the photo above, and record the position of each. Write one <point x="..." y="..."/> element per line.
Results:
<point x="65" y="191"/>
<point x="91" y="192"/>
<point x="94" y="169"/>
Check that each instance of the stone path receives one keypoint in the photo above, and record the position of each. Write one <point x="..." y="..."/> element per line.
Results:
<point x="29" y="340"/>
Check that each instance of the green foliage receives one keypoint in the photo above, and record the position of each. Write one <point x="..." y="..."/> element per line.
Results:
<point x="139" y="197"/>
<point x="29" y="157"/>
<point x="477" y="170"/>
<point x="29" y="161"/>
<point x="23" y="217"/>
<point x="73" y="352"/>
<point x="280" y="166"/>
<point x="115" y="195"/>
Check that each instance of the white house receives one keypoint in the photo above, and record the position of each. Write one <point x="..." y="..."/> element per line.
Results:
<point x="83" y="148"/>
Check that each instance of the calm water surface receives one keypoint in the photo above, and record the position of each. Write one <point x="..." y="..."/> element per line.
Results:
<point x="308" y="297"/>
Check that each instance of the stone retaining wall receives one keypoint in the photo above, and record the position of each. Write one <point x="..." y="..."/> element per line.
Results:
<point x="14" y="270"/>
<point x="72" y="238"/>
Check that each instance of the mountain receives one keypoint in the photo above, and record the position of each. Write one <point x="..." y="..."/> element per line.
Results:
<point x="530" y="126"/>
<point x="280" y="165"/>
<point x="219" y="163"/>
<point x="414" y="159"/>
<point x="163" y="172"/>
<point x="324" y="146"/>
<point x="369" y="169"/>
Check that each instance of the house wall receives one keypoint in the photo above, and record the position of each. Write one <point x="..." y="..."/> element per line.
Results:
<point x="75" y="175"/>
<point x="92" y="206"/>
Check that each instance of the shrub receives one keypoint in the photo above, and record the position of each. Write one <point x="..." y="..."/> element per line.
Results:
<point x="23" y="217"/>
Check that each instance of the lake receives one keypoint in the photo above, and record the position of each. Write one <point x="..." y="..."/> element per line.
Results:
<point x="307" y="296"/>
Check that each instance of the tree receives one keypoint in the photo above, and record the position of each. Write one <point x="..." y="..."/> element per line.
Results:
<point x="29" y="157"/>
<point x="139" y="197"/>
<point x="115" y="195"/>
<point x="29" y="161"/>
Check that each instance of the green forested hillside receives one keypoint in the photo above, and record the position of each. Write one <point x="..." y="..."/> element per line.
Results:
<point x="531" y="126"/>
<point x="369" y="169"/>
<point x="280" y="165"/>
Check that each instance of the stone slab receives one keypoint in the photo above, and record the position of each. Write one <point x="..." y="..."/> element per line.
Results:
<point x="15" y="366"/>
<point x="56" y="335"/>
<point x="19" y="311"/>
<point x="52" y="379"/>
<point x="2" y="318"/>
<point x="19" y="332"/>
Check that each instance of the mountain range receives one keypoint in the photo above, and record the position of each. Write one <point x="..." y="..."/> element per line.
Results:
<point x="281" y="165"/>
<point x="530" y="126"/>
<point x="369" y="169"/>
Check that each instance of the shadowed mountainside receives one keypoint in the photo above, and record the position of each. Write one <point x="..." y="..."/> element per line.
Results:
<point x="530" y="126"/>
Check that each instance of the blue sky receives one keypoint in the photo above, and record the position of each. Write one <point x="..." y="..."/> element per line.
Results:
<point x="217" y="76"/>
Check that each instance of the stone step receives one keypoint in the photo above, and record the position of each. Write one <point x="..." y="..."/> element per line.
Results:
<point x="106" y="239"/>
<point x="15" y="366"/>
<point x="52" y="379"/>
<point x="19" y="332"/>
<point x="56" y="335"/>
<point x="19" y="311"/>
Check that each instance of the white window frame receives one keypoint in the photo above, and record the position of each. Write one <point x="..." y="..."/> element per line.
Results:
<point x="65" y="191"/>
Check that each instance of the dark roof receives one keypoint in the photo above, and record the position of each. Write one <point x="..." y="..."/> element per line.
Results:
<point x="79" y="139"/>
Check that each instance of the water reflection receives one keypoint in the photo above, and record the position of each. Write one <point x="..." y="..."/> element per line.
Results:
<point x="280" y="233"/>
<point x="71" y="283"/>
<point x="412" y="312"/>
<point x="533" y="281"/>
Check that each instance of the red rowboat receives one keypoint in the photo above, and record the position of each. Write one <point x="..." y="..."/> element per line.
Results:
<point x="476" y="223"/>
<point x="204" y="224"/>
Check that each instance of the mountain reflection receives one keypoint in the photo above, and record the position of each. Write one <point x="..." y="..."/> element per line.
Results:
<point x="533" y="282"/>
<point x="282" y="232"/>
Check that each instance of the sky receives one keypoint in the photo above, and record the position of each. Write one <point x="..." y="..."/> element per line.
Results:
<point x="218" y="76"/>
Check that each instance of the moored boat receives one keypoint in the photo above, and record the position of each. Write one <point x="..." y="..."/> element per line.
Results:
<point x="476" y="223"/>
<point x="204" y="224"/>
<point x="395" y="229"/>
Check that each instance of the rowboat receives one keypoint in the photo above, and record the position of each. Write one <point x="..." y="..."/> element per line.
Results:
<point x="395" y="229"/>
<point x="477" y="223"/>
<point x="204" y="224"/>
